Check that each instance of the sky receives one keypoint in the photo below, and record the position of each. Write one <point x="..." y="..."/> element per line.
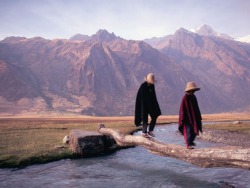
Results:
<point x="128" y="19"/>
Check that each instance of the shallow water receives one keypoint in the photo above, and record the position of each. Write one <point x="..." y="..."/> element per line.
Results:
<point x="133" y="167"/>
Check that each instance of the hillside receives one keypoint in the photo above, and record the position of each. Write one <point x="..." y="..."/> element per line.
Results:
<point x="100" y="74"/>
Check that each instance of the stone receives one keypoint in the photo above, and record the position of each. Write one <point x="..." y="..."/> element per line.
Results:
<point x="237" y="122"/>
<point x="89" y="143"/>
<point x="66" y="139"/>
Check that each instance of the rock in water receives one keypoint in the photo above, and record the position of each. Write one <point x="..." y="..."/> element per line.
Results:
<point x="89" y="143"/>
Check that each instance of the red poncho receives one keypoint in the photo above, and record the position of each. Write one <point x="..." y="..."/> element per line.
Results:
<point x="190" y="113"/>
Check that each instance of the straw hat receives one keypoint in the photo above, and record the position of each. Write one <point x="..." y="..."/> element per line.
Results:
<point x="191" y="86"/>
<point x="150" y="78"/>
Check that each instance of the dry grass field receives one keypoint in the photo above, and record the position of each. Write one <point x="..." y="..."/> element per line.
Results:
<point x="26" y="140"/>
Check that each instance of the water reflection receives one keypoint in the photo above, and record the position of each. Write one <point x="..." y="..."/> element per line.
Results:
<point x="133" y="167"/>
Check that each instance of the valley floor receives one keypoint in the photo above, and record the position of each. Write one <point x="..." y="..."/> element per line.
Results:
<point x="20" y="135"/>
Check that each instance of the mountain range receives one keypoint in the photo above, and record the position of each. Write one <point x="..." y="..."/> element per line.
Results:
<point x="100" y="74"/>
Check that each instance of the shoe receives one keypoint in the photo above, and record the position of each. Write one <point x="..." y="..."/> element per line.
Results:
<point x="150" y="133"/>
<point x="145" y="135"/>
<point x="190" y="147"/>
<point x="193" y="144"/>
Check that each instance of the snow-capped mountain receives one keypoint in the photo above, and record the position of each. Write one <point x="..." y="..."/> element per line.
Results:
<point x="206" y="30"/>
<point x="100" y="74"/>
<point x="244" y="39"/>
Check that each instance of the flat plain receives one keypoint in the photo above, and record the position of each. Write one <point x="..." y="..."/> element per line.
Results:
<point x="31" y="139"/>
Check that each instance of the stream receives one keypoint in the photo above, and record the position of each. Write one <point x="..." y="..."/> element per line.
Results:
<point x="132" y="168"/>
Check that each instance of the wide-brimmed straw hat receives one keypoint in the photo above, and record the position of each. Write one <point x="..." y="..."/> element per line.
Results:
<point x="150" y="78"/>
<point x="191" y="86"/>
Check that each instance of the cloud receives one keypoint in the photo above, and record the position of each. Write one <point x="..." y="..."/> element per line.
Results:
<point x="130" y="19"/>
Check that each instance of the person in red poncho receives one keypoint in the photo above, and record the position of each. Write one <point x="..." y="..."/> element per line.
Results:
<point x="147" y="104"/>
<point x="189" y="115"/>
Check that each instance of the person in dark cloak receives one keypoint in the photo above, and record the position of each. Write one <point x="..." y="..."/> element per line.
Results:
<point x="147" y="104"/>
<point x="189" y="115"/>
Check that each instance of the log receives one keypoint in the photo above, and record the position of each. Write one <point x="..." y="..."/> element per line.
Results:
<point x="229" y="156"/>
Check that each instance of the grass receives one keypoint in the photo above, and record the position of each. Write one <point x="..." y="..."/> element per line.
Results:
<point x="25" y="141"/>
<point x="33" y="140"/>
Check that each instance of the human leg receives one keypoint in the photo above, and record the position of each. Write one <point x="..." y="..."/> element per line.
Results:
<point x="188" y="135"/>
<point x="192" y="138"/>
<point x="145" y="124"/>
<point x="152" y="123"/>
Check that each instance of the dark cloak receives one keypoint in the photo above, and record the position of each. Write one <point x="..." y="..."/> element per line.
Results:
<point x="146" y="103"/>
<point x="190" y="113"/>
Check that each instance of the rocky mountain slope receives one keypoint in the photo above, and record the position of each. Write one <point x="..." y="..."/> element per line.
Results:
<point x="220" y="66"/>
<point x="100" y="74"/>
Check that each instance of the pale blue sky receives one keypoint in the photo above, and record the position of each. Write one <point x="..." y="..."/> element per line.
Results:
<point x="129" y="19"/>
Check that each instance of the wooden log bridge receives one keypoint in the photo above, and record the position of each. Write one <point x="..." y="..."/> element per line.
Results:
<point x="229" y="156"/>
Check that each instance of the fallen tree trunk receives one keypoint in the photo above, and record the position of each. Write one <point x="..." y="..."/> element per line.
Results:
<point x="229" y="156"/>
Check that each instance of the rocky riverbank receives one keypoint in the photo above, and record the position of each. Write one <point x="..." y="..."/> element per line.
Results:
<point x="226" y="137"/>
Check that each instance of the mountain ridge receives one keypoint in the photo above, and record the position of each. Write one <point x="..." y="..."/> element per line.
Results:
<point x="101" y="75"/>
